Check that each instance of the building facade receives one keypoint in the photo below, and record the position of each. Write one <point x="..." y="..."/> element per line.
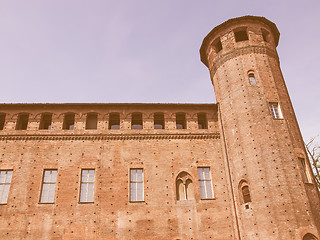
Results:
<point x="232" y="170"/>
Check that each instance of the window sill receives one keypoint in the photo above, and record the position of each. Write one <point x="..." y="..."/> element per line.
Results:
<point x="85" y="202"/>
<point x="45" y="203"/>
<point x="136" y="201"/>
<point x="206" y="199"/>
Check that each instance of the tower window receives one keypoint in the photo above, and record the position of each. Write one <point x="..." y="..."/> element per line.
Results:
<point x="45" y="122"/>
<point x="305" y="170"/>
<point x="265" y="35"/>
<point x="241" y="35"/>
<point x="252" y="79"/>
<point x="5" y="181"/>
<point x="244" y="192"/>
<point x="87" y="185"/>
<point x="309" y="236"/>
<point x="158" y="120"/>
<point x="48" y="186"/>
<point x="22" y="122"/>
<point x="184" y="187"/>
<point x="136" y="121"/>
<point x="275" y="110"/>
<point x="2" y="120"/>
<point x="68" y="122"/>
<point x="136" y="185"/>
<point x="92" y="121"/>
<point x="181" y="121"/>
<point x="217" y="45"/>
<point x="114" y="121"/>
<point x="205" y="183"/>
<point x="202" y="121"/>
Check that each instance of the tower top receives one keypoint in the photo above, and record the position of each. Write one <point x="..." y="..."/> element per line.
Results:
<point x="211" y="35"/>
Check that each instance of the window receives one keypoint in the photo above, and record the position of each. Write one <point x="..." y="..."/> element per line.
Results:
<point x="202" y="121"/>
<point x="265" y="35"/>
<point x="136" y="121"/>
<point x="2" y="120"/>
<point x="92" y="121"/>
<point x="5" y="181"/>
<point x="252" y="80"/>
<point x="244" y="192"/>
<point x="309" y="236"/>
<point x="305" y="170"/>
<point x="87" y="185"/>
<point x="184" y="187"/>
<point x="45" y="122"/>
<point x="158" y="120"/>
<point x="68" y="122"/>
<point x="217" y="45"/>
<point x="181" y="121"/>
<point x="48" y="186"/>
<point x="114" y="121"/>
<point x="136" y="185"/>
<point x="275" y="110"/>
<point x="241" y="35"/>
<point x="205" y="183"/>
<point x="22" y="122"/>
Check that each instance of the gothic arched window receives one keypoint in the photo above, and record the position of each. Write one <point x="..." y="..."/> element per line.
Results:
<point x="244" y="192"/>
<point x="184" y="187"/>
<point x="309" y="236"/>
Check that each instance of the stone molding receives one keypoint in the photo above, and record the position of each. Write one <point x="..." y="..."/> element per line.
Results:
<point x="92" y="137"/>
<point x="221" y="59"/>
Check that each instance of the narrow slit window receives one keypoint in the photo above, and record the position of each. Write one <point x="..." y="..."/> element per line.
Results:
<point x="246" y="194"/>
<point x="136" y="185"/>
<point x="252" y="79"/>
<point x="181" y="121"/>
<point x="305" y="172"/>
<point x="114" y="121"/>
<point x="136" y="121"/>
<point x="2" y="120"/>
<point x="87" y="185"/>
<point x="48" y="186"/>
<point x="92" y="121"/>
<point x="241" y="35"/>
<point x="217" y="45"/>
<point x="158" y="121"/>
<point x="45" y="122"/>
<point x="205" y="183"/>
<point x="5" y="182"/>
<point x="22" y="122"/>
<point x="202" y="121"/>
<point x="68" y="122"/>
<point x="275" y="111"/>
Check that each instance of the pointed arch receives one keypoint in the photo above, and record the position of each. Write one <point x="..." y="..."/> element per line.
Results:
<point x="309" y="236"/>
<point x="245" y="196"/>
<point x="184" y="187"/>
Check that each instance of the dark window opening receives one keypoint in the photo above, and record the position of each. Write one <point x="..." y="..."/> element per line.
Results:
<point x="92" y="121"/>
<point x="45" y="122"/>
<point x="68" y="122"/>
<point x="265" y="35"/>
<point x="22" y="122"/>
<point x="241" y="36"/>
<point x="218" y="45"/>
<point x="114" y="121"/>
<point x="136" y="121"/>
<point x="309" y="236"/>
<point x="246" y="194"/>
<point x="158" y="121"/>
<point x="2" y="120"/>
<point x="181" y="121"/>
<point x="202" y="121"/>
<point x="252" y="80"/>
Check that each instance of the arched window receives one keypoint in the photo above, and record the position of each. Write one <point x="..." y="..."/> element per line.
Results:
<point x="309" y="236"/>
<point x="184" y="187"/>
<point x="244" y="192"/>
<point x="251" y="77"/>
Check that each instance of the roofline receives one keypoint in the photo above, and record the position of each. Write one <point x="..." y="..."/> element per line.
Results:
<point x="205" y="41"/>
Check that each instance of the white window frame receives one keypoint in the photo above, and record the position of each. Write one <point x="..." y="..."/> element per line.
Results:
<point x="85" y="185"/>
<point x="206" y="183"/>
<point x="5" y="184"/>
<point x="275" y="110"/>
<point x="46" y="192"/>
<point x="134" y="185"/>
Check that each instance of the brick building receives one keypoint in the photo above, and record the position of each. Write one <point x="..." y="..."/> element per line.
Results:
<point x="232" y="170"/>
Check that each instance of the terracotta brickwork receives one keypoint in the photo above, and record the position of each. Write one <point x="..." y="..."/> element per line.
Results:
<point x="232" y="170"/>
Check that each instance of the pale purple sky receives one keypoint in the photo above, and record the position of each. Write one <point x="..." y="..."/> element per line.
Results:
<point x="144" y="51"/>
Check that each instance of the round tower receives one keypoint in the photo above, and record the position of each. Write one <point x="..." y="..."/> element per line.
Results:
<point x="272" y="186"/>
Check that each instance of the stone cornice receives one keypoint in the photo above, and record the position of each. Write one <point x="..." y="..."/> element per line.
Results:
<point x="92" y="137"/>
<point x="221" y="59"/>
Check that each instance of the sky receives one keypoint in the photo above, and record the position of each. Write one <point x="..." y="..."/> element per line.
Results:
<point x="144" y="51"/>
